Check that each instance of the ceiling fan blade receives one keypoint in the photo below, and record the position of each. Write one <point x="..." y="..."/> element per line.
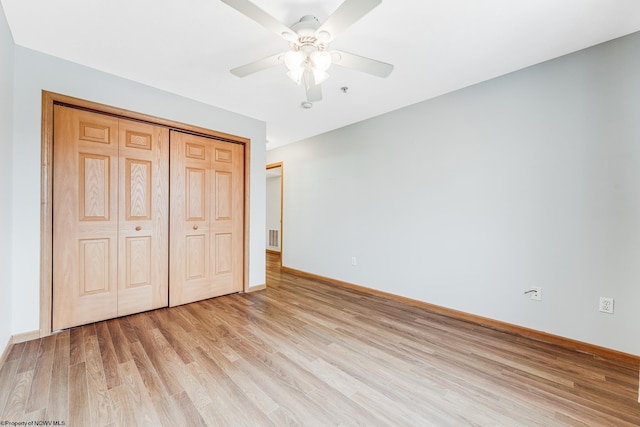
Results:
<point x="314" y="92"/>
<point x="360" y="63"/>
<point x="263" y="18"/>
<point x="259" y="65"/>
<point x="349" y="12"/>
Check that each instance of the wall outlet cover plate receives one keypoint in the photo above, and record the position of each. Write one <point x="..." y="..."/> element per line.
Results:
<point x="606" y="305"/>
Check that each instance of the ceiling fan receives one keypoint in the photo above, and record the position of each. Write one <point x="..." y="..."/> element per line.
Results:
<point x="309" y="56"/>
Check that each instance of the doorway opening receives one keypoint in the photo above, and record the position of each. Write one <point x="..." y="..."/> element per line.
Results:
<point x="275" y="186"/>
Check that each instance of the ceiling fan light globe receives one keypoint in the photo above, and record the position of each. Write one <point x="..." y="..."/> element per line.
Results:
<point x="321" y="60"/>
<point x="296" y="75"/>
<point x="294" y="59"/>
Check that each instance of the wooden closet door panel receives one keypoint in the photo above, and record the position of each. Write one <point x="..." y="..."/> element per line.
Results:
<point x="143" y="206"/>
<point x="207" y="217"/>
<point x="189" y="269"/>
<point x="85" y="217"/>
<point x="227" y="237"/>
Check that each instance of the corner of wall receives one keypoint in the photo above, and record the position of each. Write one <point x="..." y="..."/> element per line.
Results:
<point x="7" y="66"/>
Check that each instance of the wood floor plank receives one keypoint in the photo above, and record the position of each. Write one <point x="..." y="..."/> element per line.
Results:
<point x="127" y="329"/>
<point x="290" y="401"/>
<point x="139" y="405"/>
<point x="58" y="403"/>
<point x="308" y="352"/>
<point x="42" y="375"/>
<point x="180" y="317"/>
<point x="165" y="407"/>
<point x="155" y="353"/>
<point x="14" y="409"/>
<point x="99" y="399"/>
<point x="214" y="377"/>
<point x="108" y="355"/>
<point x="15" y="353"/>
<point x="189" y="410"/>
<point x="7" y="374"/>
<point x="207" y="327"/>
<point x="29" y="356"/>
<point x="79" y="414"/>
<point x="37" y="417"/>
<point x="190" y="385"/>
<point x="76" y="346"/>
<point x="124" y="408"/>
<point x="212" y="415"/>
<point x="178" y="341"/>
<point x="120" y="342"/>
<point x="249" y="390"/>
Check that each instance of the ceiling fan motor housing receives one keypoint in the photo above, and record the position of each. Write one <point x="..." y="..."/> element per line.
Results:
<point x="306" y="26"/>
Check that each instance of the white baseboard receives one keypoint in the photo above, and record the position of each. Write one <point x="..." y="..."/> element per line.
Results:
<point x="5" y="353"/>
<point x="25" y="336"/>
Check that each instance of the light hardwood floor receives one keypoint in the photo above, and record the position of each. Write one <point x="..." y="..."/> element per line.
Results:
<point x="304" y="352"/>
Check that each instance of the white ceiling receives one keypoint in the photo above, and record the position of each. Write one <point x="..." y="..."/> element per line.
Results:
<point x="437" y="46"/>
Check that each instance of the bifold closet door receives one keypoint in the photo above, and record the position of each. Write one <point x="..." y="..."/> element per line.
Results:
<point x="143" y="239"/>
<point x="110" y="217"/>
<point x="85" y="217"/>
<point x="207" y="216"/>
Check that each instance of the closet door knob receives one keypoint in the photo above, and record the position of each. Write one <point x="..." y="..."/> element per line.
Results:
<point x="195" y="227"/>
<point x="138" y="228"/>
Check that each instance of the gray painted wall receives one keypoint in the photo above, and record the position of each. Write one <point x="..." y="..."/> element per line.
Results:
<point x="33" y="73"/>
<point x="469" y="199"/>
<point x="6" y="154"/>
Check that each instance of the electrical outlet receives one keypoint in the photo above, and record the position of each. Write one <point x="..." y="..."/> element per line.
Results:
<point x="353" y="260"/>
<point x="606" y="305"/>
<point x="537" y="295"/>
